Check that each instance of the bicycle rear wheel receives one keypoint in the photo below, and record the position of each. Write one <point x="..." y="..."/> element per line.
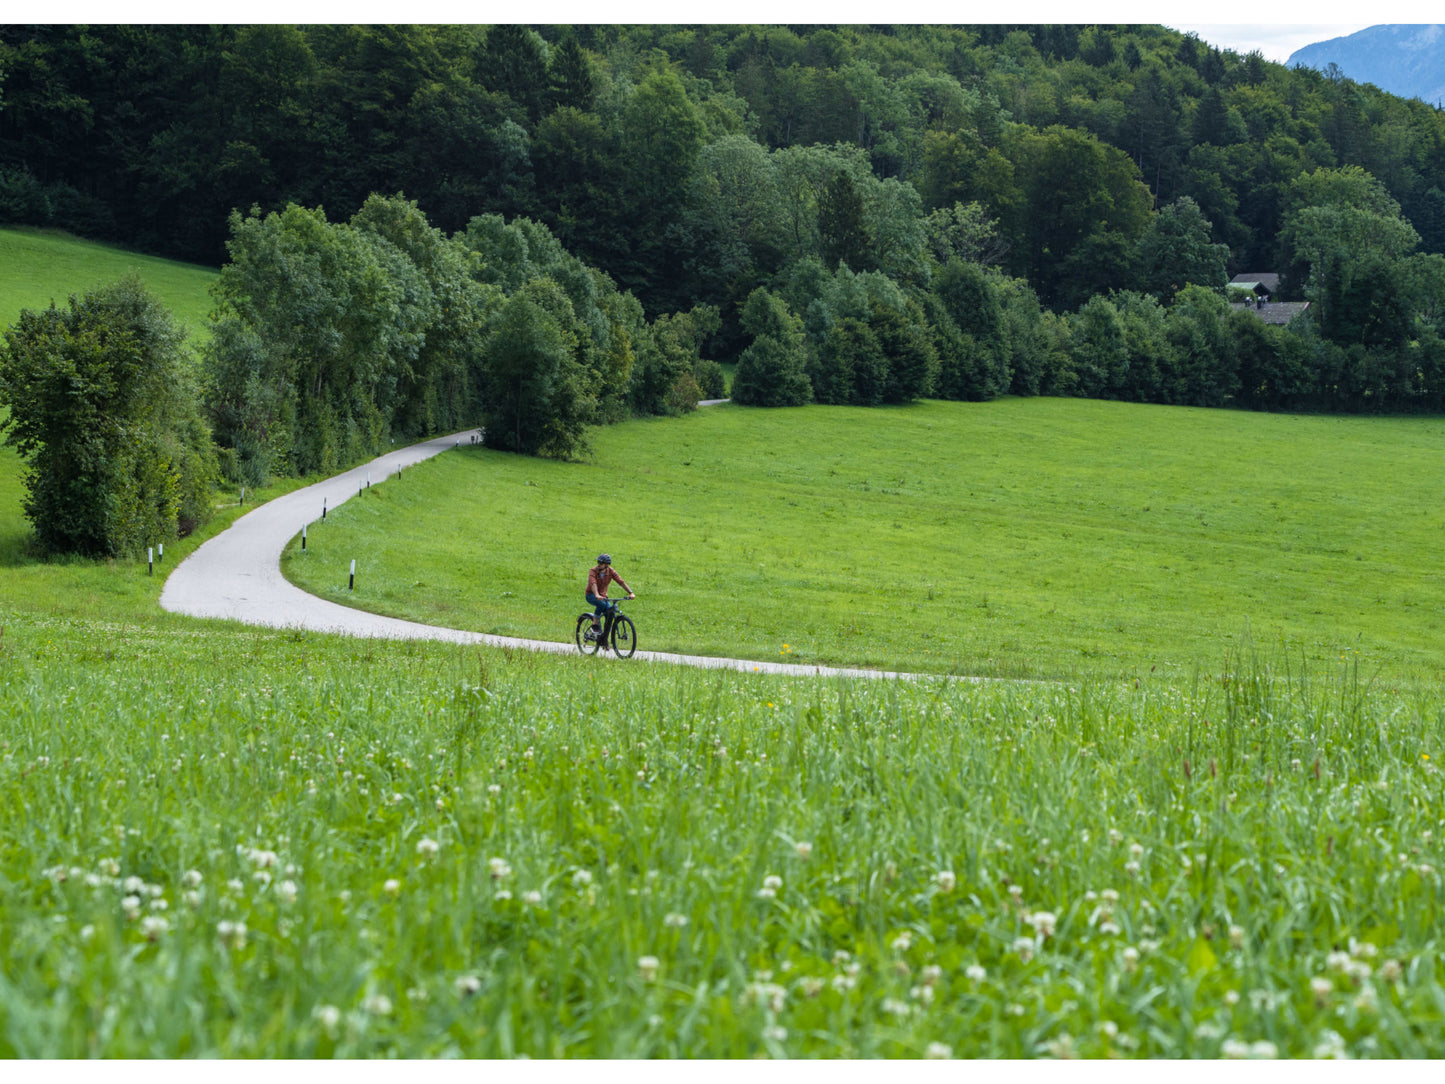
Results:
<point x="624" y="636"/>
<point x="584" y="626"/>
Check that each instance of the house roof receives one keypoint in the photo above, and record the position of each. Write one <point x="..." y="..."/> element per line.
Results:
<point x="1268" y="279"/>
<point x="1273" y="312"/>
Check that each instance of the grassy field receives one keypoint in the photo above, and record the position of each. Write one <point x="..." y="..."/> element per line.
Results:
<point x="41" y="266"/>
<point x="1027" y="538"/>
<point x="230" y="842"/>
<point x="227" y="842"/>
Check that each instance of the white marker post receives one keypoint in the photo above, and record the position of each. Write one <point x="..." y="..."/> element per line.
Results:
<point x="243" y="494"/>
<point x="323" y="507"/>
<point x="150" y="560"/>
<point x="161" y="552"/>
<point x="303" y="538"/>
<point x="351" y="584"/>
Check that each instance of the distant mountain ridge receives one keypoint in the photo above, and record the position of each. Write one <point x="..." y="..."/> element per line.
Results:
<point x="1405" y="59"/>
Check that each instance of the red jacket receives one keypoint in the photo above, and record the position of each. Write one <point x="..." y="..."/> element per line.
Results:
<point x="600" y="576"/>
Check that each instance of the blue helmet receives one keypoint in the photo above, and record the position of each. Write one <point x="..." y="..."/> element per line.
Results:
<point x="604" y="558"/>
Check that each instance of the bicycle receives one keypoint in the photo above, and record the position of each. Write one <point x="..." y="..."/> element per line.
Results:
<point x="618" y="632"/>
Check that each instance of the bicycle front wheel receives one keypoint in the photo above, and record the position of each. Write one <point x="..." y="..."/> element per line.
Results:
<point x="624" y="636"/>
<point x="584" y="644"/>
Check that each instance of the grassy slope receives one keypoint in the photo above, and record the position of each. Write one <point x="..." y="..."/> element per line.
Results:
<point x="1026" y="537"/>
<point x="41" y="266"/>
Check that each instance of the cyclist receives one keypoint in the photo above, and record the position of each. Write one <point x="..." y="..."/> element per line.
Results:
<point x="597" y="580"/>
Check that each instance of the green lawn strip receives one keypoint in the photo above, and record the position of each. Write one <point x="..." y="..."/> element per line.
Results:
<point x="1029" y="538"/>
<point x="38" y="267"/>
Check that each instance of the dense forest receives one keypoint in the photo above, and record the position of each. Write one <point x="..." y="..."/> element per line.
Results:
<point x="851" y="214"/>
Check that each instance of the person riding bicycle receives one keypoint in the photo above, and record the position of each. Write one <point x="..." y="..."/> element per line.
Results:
<point x="597" y="580"/>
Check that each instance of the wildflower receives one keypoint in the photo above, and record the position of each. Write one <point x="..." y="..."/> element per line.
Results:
<point x="1016" y="891"/>
<point x="938" y="1052"/>
<point x="86" y="933"/>
<point x="932" y="975"/>
<point x="328" y="1016"/>
<point x="841" y="957"/>
<point x="1136" y="850"/>
<point x="1331" y="1047"/>
<point x="286" y="891"/>
<point x="131" y="906"/>
<point x="192" y="878"/>
<point x="647" y="967"/>
<point x="1322" y="988"/>
<point x="1062" y="1047"/>
<point x="893" y="1007"/>
<point x="1109" y="896"/>
<point x="501" y="895"/>
<point x="975" y="972"/>
<point x="775" y="1032"/>
<point x="1231" y="998"/>
<point x="773" y="881"/>
<point x="152" y="926"/>
<point x="1234" y="1049"/>
<point x="377" y="1005"/>
<point x="1024" y="946"/>
<point x="500" y="868"/>
<point x="1236" y="936"/>
<point x="132" y="885"/>
<point x="532" y="898"/>
<point x="945" y="880"/>
<point x="1130" y="956"/>
<point x="391" y="887"/>
<point x="804" y="849"/>
<point x="232" y="934"/>
<point x="581" y="879"/>
<point x="675" y="921"/>
<point x="1108" y="1029"/>
<point x="1391" y="971"/>
<point x="427" y="848"/>
<point x="923" y="994"/>
<point x="1043" y="923"/>
<point x="1131" y="868"/>
<point x="494" y="788"/>
<point x="1263" y="1050"/>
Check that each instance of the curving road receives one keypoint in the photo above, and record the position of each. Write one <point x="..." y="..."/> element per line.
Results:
<point x="237" y="576"/>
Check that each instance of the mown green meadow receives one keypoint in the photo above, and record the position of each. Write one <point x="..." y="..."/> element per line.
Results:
<point x="38" y="267"/>
<point x="1039" y="538"/>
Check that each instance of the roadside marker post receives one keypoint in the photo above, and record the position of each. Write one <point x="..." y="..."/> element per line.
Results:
<point x="351" y="584"/>
<point x="161" y="552"/>
<point x="150" y="560"/>
<point x="323" y="507"/>
<point x="303" y="538"/>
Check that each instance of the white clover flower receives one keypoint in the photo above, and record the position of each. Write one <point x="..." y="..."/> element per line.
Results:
<point x="286" y="891"/>
<point x="1109" y="896"/>
<point x="131" y="906"/>
<point x="1234" y="1049"/>
<point x="776" y="1032"/>
<point x="1236" y="936"/>
<point x="377" y="1005"/>
<point x="232" y="934"/>
<point x="581" y="879"/>
<point x="766" y="893"/>
<point x="501" y="895"/>
<point x="1331" y="1047"/>
<point x="1231" y="997"/>
<point x="932" y="975"/>
<point x="647" y="967"/>
<point x="109" y="866"/>
<point x="391" y="886"/>
<point x="532" y="898"/>
<point x="261" y="877"/>
<point x="494" y="788"/>
<point x="975" y="972"/>
<point x="501" y="869"/>
<point x="1131" y="868"/>
<point x="922" y="994"/>
<point x="1136" y="850"/>
<point x="1337" y="961"/>
<point x="152" y="926"/>
<point x="938" y="1052"/>
<point x="1108" y="1029"/>
<point x="235" y="884"/>
<point x="427" y="848"/>
<point x="773" y="881"/>
<point x="1263" y="1050"/>
<point x="1130" y="956"/>
<point x="1108" y="928"/>
<point x="1391" y="971"/>
<point x="263" y="859"/>
<point x="1322" y="988"/>
<point x="841" y="957"/>
<point x="328" y="1016"/>
<point x="132" y="885"/>
<point x="893" y="1007"/>
<point x="467" y="985"/>
<point x="804" y="849"/>
<point x="674" y="920"/>
<point x="1024" y="946"/>
<point x="843" y="983"/>
<point x="1363" y="950"/>
<point x="192" y="878"/>
<point x="945" y="880"/>
<point x="1043" y="923"/>
<point x="1016" y="891"/>
<point x="1365" y="1000"/>
<point x="1115" y="836"/>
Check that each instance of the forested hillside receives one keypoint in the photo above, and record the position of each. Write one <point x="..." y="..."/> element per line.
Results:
<point x="875" y="213"/>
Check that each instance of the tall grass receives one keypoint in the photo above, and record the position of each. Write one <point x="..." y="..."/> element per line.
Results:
<point x="264" y="844"/>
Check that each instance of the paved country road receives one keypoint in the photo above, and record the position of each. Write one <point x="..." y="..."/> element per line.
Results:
<point x="237" y="576"/>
